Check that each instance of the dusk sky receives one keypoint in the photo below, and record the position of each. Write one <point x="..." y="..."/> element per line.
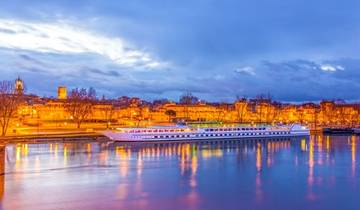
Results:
<point x="296" y="50"/>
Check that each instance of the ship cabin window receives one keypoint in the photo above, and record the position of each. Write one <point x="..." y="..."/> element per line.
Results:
<point x="161" y="136"/>
<point x="155" y="137"/>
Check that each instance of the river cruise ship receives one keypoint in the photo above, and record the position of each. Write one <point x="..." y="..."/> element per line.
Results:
<point x="180" y="133"/>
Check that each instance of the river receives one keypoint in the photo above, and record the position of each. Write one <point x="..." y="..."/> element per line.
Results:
<point x="320" y="172"/>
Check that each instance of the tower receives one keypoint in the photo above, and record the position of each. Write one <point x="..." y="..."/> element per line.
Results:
<point x="62" y="92"/>
<point x="19" y="86"/>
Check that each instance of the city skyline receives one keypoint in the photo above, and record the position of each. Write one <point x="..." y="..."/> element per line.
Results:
<point x="296" y="52"/>
<point x="61" y="92"/>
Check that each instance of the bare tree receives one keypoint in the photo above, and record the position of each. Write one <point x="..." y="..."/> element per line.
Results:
<point x="109" y="111"/>
<point x="262" y="103"/>
<point x="80" y="103"/>
<point x="188" y="98"/>
<point x="241" y="106"/>
<point x="274" y="111"/>
<point x="9" y="103"/>
<point x="171" y="114"/>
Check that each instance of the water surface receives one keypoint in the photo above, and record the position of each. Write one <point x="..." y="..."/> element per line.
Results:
<point x="321" y="172"/>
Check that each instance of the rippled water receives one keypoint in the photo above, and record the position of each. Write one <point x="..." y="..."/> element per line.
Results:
<point x="316" y="173"/>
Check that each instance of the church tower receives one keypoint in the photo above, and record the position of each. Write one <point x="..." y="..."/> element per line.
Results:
<point x="19" y="86"/>
<point x="62" y="92"/>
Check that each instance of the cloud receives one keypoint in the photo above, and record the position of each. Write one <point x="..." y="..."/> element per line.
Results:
<point x="63" y="38"/>
<point x="331" y="68"/>
<point x="247" y="70"/>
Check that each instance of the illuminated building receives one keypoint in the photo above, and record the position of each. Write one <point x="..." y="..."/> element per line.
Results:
<point x="62" y="93"/>
<point x="43" y="113"/>
<point x="19" y="86"/>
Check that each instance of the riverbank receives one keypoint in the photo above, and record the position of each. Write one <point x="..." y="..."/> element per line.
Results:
<point x="59" y="136"/>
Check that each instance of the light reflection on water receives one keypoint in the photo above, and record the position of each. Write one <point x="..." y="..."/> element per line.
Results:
<point x="320" y="173"/>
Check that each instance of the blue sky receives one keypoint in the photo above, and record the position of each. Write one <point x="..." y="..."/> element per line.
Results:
<point x="297" y="50"/>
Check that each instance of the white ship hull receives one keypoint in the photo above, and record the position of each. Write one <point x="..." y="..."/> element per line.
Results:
<point x="186" y="133"/>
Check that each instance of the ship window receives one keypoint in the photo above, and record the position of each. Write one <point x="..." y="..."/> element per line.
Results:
<point x="188" y="135"/>
<point x="177" y="136"/>
<point x="155" y="137"/>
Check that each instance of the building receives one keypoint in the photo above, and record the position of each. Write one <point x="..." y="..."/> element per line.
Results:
<point x="19" y="86"/>
<point x="62" y="93"/>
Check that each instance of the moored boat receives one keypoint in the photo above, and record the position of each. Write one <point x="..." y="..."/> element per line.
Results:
<point x="179" y="133"/>
<point x="356" y="131"/>
<point x="338" y="130"/>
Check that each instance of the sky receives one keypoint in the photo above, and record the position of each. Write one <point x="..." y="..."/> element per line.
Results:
<point x="296" y="51"/>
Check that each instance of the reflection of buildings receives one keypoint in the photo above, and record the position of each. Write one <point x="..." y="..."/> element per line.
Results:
<point x="2" y="171"/>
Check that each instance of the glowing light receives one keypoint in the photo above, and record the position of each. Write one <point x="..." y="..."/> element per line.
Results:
<point x="258" y="157"/>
